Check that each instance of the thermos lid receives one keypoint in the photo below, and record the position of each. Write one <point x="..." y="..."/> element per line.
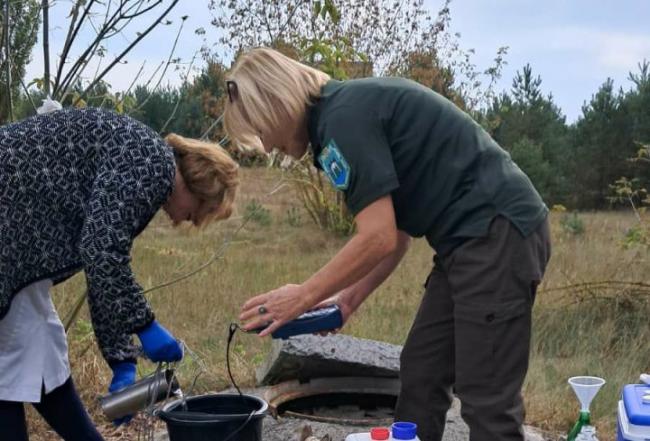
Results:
<point x="404" y="430"/>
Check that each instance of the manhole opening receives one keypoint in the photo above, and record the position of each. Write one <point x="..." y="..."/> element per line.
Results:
<point x="342" y="405"/>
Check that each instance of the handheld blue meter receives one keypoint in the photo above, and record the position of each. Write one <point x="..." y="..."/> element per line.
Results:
<point x="316" y="320"/>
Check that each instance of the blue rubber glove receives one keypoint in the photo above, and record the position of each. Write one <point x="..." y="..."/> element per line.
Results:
<point x="123" y="376"/>
<point x="159" y="344"/>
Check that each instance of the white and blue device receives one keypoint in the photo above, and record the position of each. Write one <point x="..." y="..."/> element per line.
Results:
<point x="316" y="320"/>
<point x="634" y="413"/>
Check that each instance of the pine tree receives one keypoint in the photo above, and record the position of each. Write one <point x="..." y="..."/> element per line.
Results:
<point x="603" y="145"/>
<point x="532" y="128"/>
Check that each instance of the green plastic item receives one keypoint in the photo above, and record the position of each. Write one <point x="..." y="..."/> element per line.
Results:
<point x="583" y="420"/>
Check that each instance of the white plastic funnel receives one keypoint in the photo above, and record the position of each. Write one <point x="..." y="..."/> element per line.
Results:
<point x="586" y="389"/>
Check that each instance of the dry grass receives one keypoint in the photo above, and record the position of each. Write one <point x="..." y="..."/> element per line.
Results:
<point x="600" y="332"/>
<point x="575" y="334"/>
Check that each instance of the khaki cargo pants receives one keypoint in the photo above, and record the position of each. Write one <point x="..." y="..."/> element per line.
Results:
<point x="472" y="333"/>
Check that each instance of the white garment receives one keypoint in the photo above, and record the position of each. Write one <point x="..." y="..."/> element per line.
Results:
<point x="33" y="347"/>
<point x="49" y="105"/>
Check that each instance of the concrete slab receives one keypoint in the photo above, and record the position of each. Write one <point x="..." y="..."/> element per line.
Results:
<point x="310" y="356"/>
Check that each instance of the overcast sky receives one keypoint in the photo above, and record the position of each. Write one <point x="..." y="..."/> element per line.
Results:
<point x="574" y="45"/>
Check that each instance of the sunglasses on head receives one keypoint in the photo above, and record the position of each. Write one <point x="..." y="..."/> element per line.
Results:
<point x="231" y="86"/>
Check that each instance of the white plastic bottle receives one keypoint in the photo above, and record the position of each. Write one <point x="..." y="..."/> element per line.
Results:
<point x="588" y="433"/>
<point x="402" y="431"/>
<point x="375" y="434"/>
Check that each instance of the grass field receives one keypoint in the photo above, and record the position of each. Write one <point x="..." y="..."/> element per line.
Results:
<point x="579" y="331"/>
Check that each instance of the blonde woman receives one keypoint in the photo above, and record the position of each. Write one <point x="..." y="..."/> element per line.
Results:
<point x="410" y="164"/>
<point x="76" y="187"/>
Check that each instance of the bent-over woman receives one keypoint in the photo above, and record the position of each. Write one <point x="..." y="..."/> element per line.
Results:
<point x="76" y="187"/>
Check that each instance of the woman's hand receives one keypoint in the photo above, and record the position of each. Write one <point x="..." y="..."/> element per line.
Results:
<point x="123" y="376"/>
<point x="159" y="344"/>
<point x="274" y="308"/>
<point x="342" y="301"/>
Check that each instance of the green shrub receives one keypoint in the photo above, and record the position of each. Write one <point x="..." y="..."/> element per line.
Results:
<point x="324" y="205"/>
<point x="637" y="235"/>
<point x="294" y="218"/>
<point x="572" y="224"/>
<point x="258" y="213"/>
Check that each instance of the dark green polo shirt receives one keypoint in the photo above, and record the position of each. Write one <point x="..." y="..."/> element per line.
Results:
<point x="448" y="179"/>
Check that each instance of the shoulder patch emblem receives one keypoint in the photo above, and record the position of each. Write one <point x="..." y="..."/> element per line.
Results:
<point x="335" y="166"/>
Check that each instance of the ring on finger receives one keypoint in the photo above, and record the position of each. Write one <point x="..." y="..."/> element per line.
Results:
<point x="262" y="310"/>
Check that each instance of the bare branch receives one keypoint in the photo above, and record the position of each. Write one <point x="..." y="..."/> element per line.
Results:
<point x="178" y="101"/>
<point x="72" y="315"/>
<point x="68" y="43"/>
<point x="220" y="251"/>
<point x="137" y="76"/>
<point x="120" y="29"/>
<point x="267" y="24"/>
<point x="146" y="85"/>
<point x="29" y="96"/>
<point x="84" y="57"/>
<point x="169" y="62"/>
<point x="214" y="124"/>
<point x="291" y="14"/>
<point x="69" y="37"/>
<point x="68" y="86"/>
<point x="128" y="49"/>
<point x="46" y="44"/>
<point x="144" y="11"/>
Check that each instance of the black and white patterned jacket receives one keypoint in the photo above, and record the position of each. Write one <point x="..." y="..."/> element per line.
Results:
<point x="76" y="187"/>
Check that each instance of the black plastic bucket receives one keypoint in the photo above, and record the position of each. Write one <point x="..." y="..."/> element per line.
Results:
<point x="215" y="417"/>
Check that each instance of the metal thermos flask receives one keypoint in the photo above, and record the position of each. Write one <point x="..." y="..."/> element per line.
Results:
<point x="136" y="397"/>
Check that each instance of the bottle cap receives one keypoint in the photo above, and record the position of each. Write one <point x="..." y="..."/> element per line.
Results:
<point x="379" y="433"/>
<point x="404" y="430"/>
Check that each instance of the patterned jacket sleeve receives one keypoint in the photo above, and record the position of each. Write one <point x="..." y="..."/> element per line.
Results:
<point x="118" y="209"/>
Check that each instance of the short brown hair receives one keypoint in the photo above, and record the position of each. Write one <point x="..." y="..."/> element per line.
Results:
<point x="209" y="173"/>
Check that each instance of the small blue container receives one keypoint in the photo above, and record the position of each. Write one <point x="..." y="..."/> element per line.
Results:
<point x="634" y="413"/>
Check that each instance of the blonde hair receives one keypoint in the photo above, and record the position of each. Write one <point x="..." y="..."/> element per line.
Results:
<point x="270" y="88"/>
<point x="209" y="173"/>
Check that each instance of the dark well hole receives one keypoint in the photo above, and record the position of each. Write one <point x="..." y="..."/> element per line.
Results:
<point x="342" y="405"/>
